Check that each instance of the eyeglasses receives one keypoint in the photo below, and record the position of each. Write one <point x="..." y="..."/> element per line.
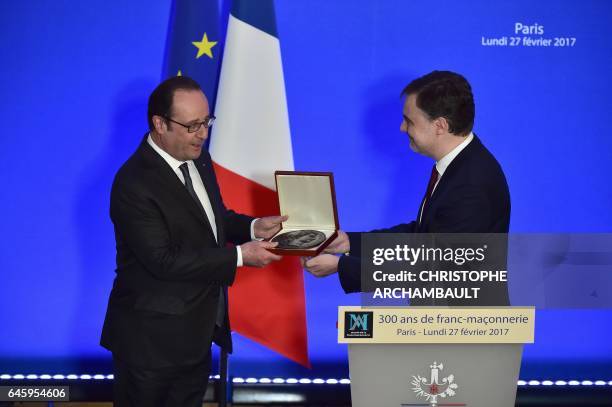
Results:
<point x="192" y="128"/>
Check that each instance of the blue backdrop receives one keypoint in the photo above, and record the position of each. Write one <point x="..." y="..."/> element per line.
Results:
<point x="75" y="77"/>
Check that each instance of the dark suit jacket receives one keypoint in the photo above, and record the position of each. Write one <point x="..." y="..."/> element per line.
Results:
<point x="471" y="197"/>
<point x="163" y="305"/>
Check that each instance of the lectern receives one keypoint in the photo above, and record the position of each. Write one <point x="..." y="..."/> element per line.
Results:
<point x="435" y="356"/>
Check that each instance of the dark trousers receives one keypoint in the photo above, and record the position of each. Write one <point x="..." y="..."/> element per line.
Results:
<point x="176" y="386"/>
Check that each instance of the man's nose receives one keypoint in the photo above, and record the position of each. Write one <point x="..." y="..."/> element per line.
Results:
<point x="202" y="133"/>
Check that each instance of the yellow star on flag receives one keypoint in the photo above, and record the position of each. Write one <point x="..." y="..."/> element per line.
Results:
<point x="204" y="46"/>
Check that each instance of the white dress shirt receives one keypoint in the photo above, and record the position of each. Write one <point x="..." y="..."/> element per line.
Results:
<point x="198" y="187"/>
<point x="445" y="161"/>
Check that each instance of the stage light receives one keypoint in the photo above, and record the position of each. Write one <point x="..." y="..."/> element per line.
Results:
<point x="280" y="380"/>
<point x="534" y="382"/>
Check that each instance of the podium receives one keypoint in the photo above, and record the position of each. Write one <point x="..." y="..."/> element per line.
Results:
<point x="435" y="356"/>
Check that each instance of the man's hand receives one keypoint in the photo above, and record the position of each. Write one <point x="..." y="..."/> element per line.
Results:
<point x="265" y="228"/>
<point x="322" y="265"/>
<point x="254" y="253"/>
<point x="340" y="244"/>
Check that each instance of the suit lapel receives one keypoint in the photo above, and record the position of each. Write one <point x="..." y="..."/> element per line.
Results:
<point x="447" y="178"/>
<point x="172" y="184"/>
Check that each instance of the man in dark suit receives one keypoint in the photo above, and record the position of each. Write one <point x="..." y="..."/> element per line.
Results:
<point x="467" y="191"/>
<point x="169" y="298"/>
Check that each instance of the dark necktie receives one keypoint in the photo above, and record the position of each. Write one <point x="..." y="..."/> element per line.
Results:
<point x="432" y="182"/>
<point x="189" y="185"/>
<point x="430" y="187"/>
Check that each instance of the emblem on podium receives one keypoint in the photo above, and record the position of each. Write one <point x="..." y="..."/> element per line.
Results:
<point x="436" y="387"/>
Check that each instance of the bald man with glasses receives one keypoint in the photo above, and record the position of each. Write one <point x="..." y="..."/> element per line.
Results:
<point x="169" y="298"/>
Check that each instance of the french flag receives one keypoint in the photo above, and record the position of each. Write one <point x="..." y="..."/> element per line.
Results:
<point x="250" y="140"/>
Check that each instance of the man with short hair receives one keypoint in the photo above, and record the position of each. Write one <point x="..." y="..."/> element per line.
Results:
<point x="467" y="191"/>
<point x="169" y="298"/>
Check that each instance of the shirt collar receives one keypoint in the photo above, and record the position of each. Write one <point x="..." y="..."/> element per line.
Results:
<point x="172" y="162"/>
<point x="445" y="161"/>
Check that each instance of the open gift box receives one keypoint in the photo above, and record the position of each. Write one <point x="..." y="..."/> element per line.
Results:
<point x="309" y="199"/>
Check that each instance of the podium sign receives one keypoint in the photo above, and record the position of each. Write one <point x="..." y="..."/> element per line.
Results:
<point x="431" y="356"/>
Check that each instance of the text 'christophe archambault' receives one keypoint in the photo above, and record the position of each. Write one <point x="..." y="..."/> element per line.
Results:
<point x="425" y="257"/>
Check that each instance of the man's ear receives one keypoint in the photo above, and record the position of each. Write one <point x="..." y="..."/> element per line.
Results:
<point x="441" y="124"/>
<point x="160" y="124"/>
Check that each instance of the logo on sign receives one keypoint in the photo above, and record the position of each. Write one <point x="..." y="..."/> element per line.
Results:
<point x="358" y="324"/>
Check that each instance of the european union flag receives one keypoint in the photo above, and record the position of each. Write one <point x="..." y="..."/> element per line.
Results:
<point x="193" y="48"/>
